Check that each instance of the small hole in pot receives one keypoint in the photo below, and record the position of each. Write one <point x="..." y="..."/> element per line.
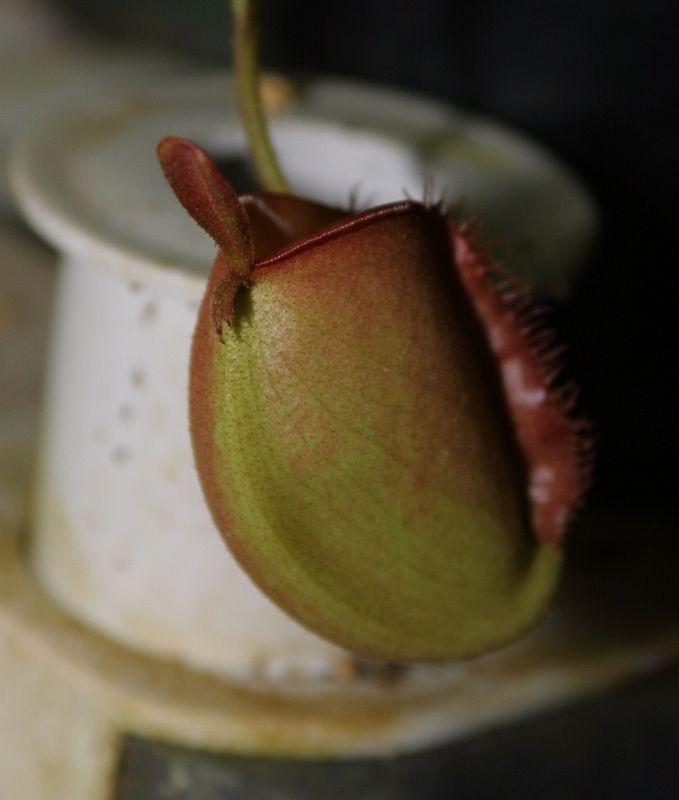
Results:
<point x="138" y="378"/>
<point x="125" y="412"/>
<point x="120" y="455"/>
<point x="148" y="313"/>
<point x="238" y="172"/>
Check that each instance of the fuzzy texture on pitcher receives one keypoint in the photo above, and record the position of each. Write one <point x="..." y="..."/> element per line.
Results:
<point x="375" y="420"/>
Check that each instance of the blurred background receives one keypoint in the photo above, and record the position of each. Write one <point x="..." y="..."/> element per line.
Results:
<point x="595" y="81"/>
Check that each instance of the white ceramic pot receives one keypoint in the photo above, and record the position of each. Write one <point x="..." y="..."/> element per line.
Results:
<point x="41" y="81"/>
<point x="121" y="536"/>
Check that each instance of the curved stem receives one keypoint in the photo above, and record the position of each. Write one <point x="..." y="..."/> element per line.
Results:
<point x="245" y="14"/>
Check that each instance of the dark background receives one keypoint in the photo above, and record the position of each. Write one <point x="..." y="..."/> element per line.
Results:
<point x="593" y="79"/>
<point x="596" y="81"/>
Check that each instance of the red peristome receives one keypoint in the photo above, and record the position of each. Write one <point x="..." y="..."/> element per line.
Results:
<point x="556" y="447"/>
<point x="278" y="219"/>
<point x="346" y="224"/>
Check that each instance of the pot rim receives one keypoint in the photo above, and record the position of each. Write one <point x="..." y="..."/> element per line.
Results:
<point x="38" y="187"/>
